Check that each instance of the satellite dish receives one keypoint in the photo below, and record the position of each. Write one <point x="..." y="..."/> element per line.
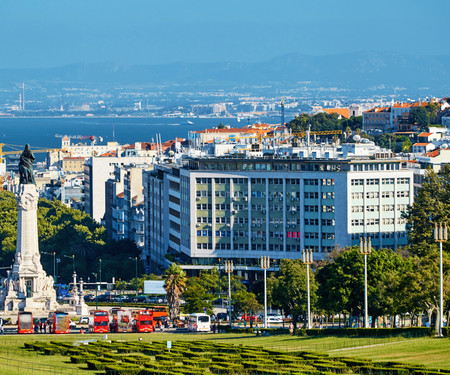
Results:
<point x="356" y="138"/>
<point x="444" y="146"/>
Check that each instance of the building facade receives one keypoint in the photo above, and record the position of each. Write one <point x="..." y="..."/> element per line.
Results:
<point x="242" y="209"/>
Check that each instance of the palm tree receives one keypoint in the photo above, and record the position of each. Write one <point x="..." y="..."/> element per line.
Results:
<point x="175" y="282"/>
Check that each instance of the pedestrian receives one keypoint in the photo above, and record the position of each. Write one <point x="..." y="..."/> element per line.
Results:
<point x="41" y="326"/>
<point x="45" y="327"/>
<point x="1" y="326"/>
<point x="214" y="328"/>
<point x="36" y="328"/>
<point x="291" y="329"/>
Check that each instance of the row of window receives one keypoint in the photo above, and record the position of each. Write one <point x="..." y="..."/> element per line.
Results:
<point x="384" y="208"/>
<point x="376" y="181"/>
<point x="384" y="194"/>
<point x="357" y="236"/>
<point x="385" y="221"/>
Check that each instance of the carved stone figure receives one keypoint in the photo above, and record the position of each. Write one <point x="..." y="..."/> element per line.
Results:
<point x="26" y="166"/>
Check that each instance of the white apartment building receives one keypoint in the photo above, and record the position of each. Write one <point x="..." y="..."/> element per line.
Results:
<point x="243" y="208"/>
<point x="97" y="170"/>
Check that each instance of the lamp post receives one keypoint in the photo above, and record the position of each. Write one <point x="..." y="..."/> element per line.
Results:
<point x="54" y="263"/>
<point x="265" y="264"/>
<point x="220" y="289"/>
<point x="73" y="261"/>
<point x="135" y="259"/>
<point x="229" y="270"/>
<point x="96" y="288"/>
<point x="365" y="247"/>
<point x="307" y="258"/>
<point x="100" y="273"/>
<point x="440" y="235"/>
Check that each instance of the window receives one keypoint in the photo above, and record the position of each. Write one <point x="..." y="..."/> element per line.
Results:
<point x="373" y="181"/>
<point x="401" y="207"/>
<point x="387" y="194"/>
<point x="327" y="208"/>
<point x="372" y="208"/>
<point x="387" y="221"/>
<point x="388" y="207"/>
<point x="327" y="236"/>
<point x="402" y="194"/>
<point x="357" y="195"/>
<point x="387" y="181"/>
<point x="311" y="182"/>
<point x="328" y="195"/>
<point x="311" y="195"/>
<point x="311" y="221"/>
<point x="357" y="208"/>
<point x="327" y="182"/>
<point x="372" y="195"/>
<point x="312" y="235"/>
<point x="357" y="222"/>
<point x="402" y="180"/>
<point x="328" y="222"/>
<point x="373" y="221"/>
<point x="357" y="182"/>
<point x="311" y="208"/>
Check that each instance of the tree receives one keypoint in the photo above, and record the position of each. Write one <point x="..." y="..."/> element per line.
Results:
<point x="245" y="301"/>
<point x="291" y="290"/>
<point x="197" y="297"/>
<point x="175" y="282"/>
<point x="419" y="116"/>
<point x="431" y="205"/>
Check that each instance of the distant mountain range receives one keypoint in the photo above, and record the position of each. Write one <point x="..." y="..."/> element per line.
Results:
<point x="357" y="71"/>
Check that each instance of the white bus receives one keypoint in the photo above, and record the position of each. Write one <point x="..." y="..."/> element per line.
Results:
<point x="198" y="323"/>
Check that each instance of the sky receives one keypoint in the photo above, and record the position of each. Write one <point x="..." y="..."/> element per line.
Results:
<point x="49" y="33"/>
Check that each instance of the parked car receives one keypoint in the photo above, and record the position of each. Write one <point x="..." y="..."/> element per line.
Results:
<point x="222" y="316"/>
<point x="84" y="320"/>
<point x="72" y="325"/>
<point x="274" y="319"/>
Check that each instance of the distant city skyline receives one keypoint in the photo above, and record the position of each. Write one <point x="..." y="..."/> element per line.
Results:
<point x="56" y="32"/>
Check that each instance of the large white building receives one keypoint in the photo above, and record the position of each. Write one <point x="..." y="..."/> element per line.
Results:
<point x="243" y="208"/>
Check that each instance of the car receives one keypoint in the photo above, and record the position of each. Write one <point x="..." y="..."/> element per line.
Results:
<point x="249" y="317"/>
<point x="222" y="316"/>
<point x="275" y="319"/>
<point x="72" y="325"/>
<point x="84" y="320"/>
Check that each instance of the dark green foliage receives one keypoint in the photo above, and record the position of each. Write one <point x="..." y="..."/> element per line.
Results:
<point x="66" y="232"/>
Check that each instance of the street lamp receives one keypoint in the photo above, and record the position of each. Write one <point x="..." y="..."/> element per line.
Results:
<point x="73" y="261"/>
<point x="365" y="247"/>
<point x="135" y="259"/>
<point x="265" y="264"/>
<point x="220" y="288"/>
<point x="96" y="288"/>
<point x="440" y="235"/>
<point x="307" y="258"/>
<point x="229" y="270"/>
<point x="100" y="272"/>
<point x="54" y="263"/>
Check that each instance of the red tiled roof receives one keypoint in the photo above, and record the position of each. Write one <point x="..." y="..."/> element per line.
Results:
<point x="424" y="134"/>
<point x="344" y="112"/>
<point x="421" y="144"/>
<point x="120" y="195"/>
<point x="410" y="105"/>
<point x="433" y="154"/>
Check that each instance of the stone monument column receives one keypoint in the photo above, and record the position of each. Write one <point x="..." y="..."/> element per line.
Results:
<point x="27" y="287"/>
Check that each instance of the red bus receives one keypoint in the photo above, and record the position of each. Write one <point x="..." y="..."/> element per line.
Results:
<point x="25" y="322"/>
<point x="99" y="322"/>
<point x="59" y="322"/>
<point x="159" y="314"/>
<point x="143" y="321"/>
<point x="122" y="321"/>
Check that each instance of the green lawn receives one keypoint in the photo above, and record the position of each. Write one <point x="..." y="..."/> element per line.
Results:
<point x="431" y="352"/>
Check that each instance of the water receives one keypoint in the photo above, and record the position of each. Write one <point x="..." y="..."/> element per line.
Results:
<point x="40" y="132"/>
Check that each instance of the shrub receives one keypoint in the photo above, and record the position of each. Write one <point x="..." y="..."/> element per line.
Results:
<point x="122" y="369"/>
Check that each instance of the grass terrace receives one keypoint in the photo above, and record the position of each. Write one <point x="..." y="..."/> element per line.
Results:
<point x="221" y="354"/>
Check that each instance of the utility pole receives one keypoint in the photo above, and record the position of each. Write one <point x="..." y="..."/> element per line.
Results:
<point x="229" y="270"/>
<point x="265" y="264"/>
<point x="440" y="235"/>
<point x="307" y="259"/>
<point x="365" y="247"/>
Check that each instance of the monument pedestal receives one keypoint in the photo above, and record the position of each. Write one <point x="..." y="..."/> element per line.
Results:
<point x="27" y="287"/>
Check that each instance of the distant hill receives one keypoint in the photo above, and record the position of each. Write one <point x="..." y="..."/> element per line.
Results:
<point x="363" y="70"/>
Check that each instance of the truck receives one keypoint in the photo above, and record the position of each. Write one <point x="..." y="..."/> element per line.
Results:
<point x="121" y="321"/>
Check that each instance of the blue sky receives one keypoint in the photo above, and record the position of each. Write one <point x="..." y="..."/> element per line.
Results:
<point x="46" y="33"/>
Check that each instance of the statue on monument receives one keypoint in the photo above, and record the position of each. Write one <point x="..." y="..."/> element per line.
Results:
<point x="26" y="166"/>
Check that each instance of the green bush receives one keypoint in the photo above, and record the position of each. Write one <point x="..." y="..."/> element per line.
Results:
<point x="81" y="358"/>
<point x="122" y="369"/>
